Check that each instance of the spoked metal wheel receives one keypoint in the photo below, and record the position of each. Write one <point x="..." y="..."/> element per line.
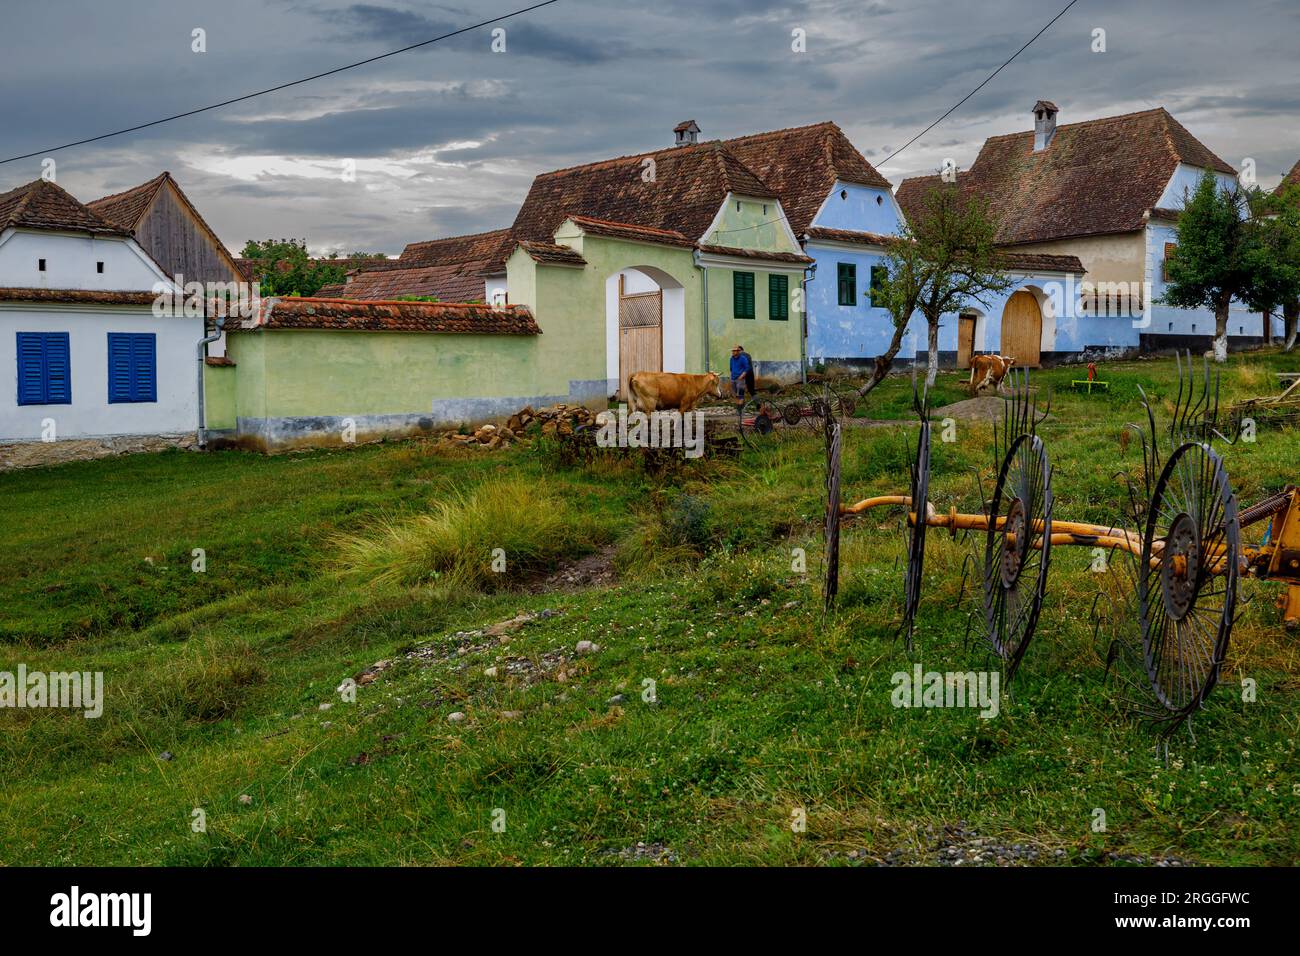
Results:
<point x="1187" y="578"/>
<point x="831" y="560"/>
<point x="1017" y="550"/>
<point x="760" y="418"/>
<point x="914" y="533"/>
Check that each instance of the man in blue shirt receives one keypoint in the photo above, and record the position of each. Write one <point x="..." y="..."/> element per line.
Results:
<point x="742" y="375"/>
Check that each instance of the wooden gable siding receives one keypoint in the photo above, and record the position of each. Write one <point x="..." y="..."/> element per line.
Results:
<point x="169" y="232"/>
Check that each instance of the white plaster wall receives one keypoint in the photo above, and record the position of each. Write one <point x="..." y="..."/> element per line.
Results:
<point x="494" y="290"/>
<point x="70" y="262"/>
<point x="90" y="414"/>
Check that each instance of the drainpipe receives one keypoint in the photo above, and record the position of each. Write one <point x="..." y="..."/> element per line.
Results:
<point x="202" y="356"/>
<point x="708" y="364"/>
<point x="809" y="273"/>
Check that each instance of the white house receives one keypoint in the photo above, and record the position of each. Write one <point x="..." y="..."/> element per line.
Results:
<point x="82" y="353"/>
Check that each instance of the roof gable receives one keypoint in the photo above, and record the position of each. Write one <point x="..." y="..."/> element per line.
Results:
<point x="1097" y="177"/>
<point x="688" y="187"/>
<point x="803" y="164"/>
<point x="1292" y="179"/>
<point x="45" y="205"/>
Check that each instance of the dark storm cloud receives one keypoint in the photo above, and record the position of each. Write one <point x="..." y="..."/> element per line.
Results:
<point x="448" y="137"/>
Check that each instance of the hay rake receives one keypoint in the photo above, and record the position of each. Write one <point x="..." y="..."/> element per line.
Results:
<point x="765" y="419"/>
<point x="1186" y="558"/>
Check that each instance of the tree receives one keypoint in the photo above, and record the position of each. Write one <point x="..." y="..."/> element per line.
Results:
<point x="1231" y="244"/>
<point x="1282" y="234"/>
<point x="945" y="260"/>
<point x="282" y="267"/>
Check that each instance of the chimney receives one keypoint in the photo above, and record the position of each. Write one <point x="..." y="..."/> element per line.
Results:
<point x="1044" y="124"/>
<point x="687" y="133"/>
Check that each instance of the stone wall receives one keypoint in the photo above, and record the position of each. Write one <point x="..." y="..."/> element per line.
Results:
<point x="38" y="453"/>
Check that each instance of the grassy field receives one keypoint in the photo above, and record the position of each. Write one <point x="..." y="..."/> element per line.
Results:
<point x="722" y="719"/>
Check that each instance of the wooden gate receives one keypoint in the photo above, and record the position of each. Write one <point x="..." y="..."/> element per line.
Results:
<point x="1022" y="329"/>
<point x="640" y="335"/>
<point x="965" y="339"/>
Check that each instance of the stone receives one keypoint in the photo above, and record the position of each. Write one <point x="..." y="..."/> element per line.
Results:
<point x="456" y="717"/>
<point x="587" y="647"/>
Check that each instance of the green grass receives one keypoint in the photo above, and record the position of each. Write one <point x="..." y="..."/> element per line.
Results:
<point x="320" y="565"/>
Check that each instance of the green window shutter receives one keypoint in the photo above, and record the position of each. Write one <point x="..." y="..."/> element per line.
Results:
<point x="778" y="297"/>
<point x="847" y="274"/>
<point x="879" y="274"/>
<point x="742" y="289"/>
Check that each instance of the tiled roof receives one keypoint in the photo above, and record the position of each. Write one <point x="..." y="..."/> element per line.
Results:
<point x="755" y="254"/>
<point x="803" y="164"/>
<point x="1041" y="262"/>
<point x="45" y="205"/>
<point x="78" y="296"/>
<point x="1166" y="213"/>
<point x="689" y="185"/>
<point x="331" y="291"/>
<point x="346" y="315"/>
<point x="551" y="253"/>
<point x="849" y="235"/>
<point x="623" y="230"/>
<point x="1095" y="178"/>
<point x="480" y="246"/>
<point x="128" y="208"/>
<point x="455" y="282"/>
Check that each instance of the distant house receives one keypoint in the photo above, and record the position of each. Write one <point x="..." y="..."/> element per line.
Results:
<point x="82" y="350"/>
<point x="1107" y="191"/>
<point x="845" y="214"/>
<point x="450" y="270"/>
<point x="168" y="227"/>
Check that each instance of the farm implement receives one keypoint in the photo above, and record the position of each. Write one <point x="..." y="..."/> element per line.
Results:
<point x="767" y="418"/>
<point x="1186" y="557"/>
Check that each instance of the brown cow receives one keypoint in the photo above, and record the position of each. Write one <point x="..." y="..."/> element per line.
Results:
<point x="657" y="391"/>
<point x="986" y="370"/>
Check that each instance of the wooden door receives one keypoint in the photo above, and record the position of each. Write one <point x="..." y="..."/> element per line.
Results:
<point x="965" y="339"/>
<point x="640" y="335"/>
<point x="1022" y="330"/>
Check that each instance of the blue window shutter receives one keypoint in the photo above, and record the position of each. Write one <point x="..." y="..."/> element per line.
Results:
<point x="44" y="368"/>
<point x="58" y="369"/>
<point x="31" y="368"/>
<point x="144" y="372"/>
<point x="119" y="367"/>
<point x="132" y="367"/>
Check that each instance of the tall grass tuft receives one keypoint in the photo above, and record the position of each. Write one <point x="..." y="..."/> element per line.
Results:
<point x="453" y="546"/>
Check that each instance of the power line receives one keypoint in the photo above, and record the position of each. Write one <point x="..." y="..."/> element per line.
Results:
<point x="980" y="87"/>
<point x="282" y="86"/>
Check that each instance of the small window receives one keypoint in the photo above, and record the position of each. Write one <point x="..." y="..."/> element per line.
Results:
<point x="880" y="200"/>
<point x="844" y="194"/>
<point x="132" y="367"/>
<point x="742" y="294"/>
<point x="99" y="267"/>
<point x="40" y="265"/>
<point x="44" y="369"/>
<point x="879" y="275"/>
<point x="778" y="297"/>
<point x="1193" y="326"/>
<point x="847" y="279"/>
<point x="737" y="205"/>
<point x="1170" y="249"/>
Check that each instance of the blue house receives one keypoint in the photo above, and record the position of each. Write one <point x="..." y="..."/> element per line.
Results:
<point x="1109" y="192"/>
<point x="845" y="212"/>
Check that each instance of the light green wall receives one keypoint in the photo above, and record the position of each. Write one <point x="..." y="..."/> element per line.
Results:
<point x="570" y="303"/>
<point x="286" y="373"/>
<point x="219" y="396"/>
<point x="751" y="227"/>
<point x="764" y="339"/>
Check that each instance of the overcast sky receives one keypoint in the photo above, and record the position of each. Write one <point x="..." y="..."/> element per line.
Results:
<point x="446" y="139"/>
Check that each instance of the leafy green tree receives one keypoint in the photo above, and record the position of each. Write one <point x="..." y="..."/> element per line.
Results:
<point x="283" y="267"/>
<point x="1282" y="234"/>
<point x="1232" y="244"/>
<point x="945" y="260"/>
